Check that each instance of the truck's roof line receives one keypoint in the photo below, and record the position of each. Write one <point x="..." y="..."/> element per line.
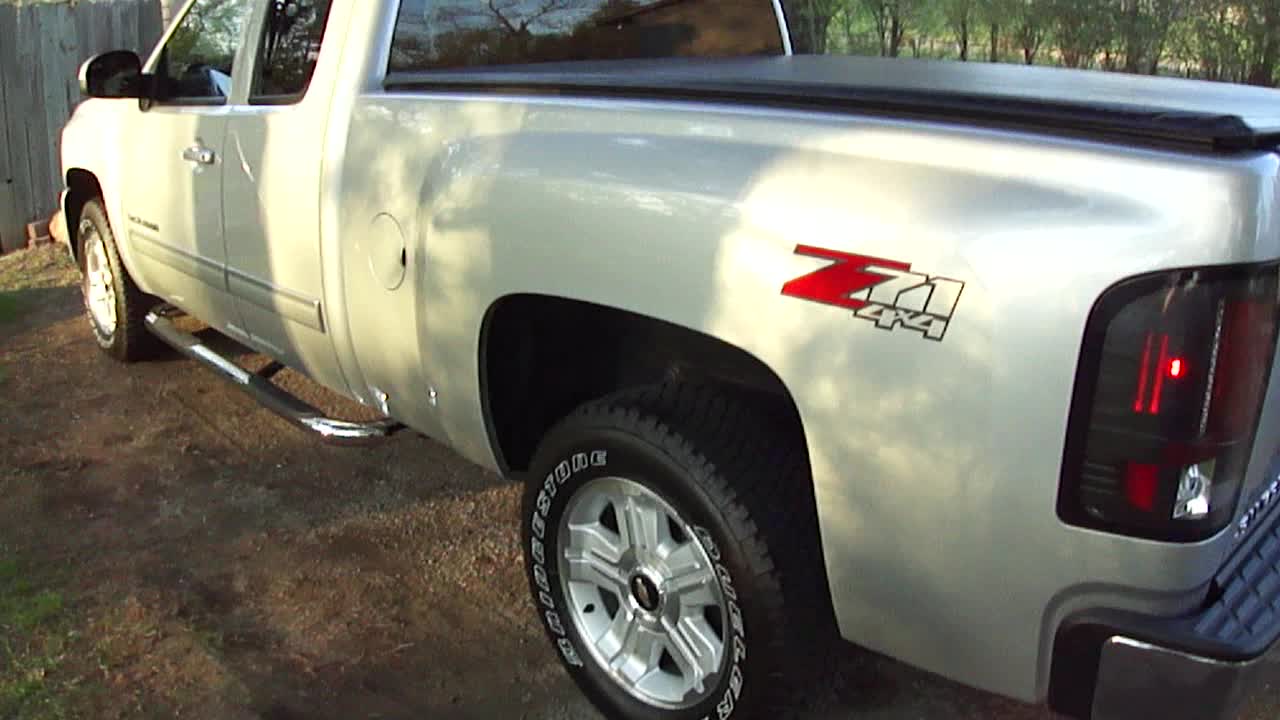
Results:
<point x="1108" y="105"/>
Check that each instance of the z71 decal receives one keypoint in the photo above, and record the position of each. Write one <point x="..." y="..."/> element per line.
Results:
<point x="885" y="292"/>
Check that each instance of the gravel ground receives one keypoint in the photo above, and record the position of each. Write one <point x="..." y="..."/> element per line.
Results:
<point x="217" y="563"/>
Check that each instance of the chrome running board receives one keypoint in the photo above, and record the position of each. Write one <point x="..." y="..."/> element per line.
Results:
<point x="267" y="393"/>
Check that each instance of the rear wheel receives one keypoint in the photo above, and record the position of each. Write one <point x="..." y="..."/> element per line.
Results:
<point x="115" y="307"/>
<point x="672" y="551"/>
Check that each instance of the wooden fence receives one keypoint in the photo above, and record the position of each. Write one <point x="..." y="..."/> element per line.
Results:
<point x="41" y="47"/>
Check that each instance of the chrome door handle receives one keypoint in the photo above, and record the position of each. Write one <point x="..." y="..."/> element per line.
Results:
<point x="198" y="154"/>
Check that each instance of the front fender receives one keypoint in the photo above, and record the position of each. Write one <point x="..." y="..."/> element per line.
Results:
<point x="90" y="144"/>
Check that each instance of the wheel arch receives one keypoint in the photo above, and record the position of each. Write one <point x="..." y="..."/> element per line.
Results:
<point x="82" y="186"/>
<point x="541" y="356"/>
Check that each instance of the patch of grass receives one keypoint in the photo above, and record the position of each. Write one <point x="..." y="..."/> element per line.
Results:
<point x="8" y="307"/>
<point x="43" y="267"/>
<point x="211" y="639"/>
<point x="33" y="642"/>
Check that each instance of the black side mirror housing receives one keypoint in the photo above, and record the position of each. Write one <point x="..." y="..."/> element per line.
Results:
<point x="115" y="74"/>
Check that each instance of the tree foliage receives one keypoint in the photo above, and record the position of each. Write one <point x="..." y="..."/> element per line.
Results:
<point x="1226" y="40"/>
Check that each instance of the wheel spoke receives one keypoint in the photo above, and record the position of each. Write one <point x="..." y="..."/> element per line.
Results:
<point x="593" y="555"/>
<point x="642" y="524"/>
<point x="638" y="650"/>
<point x="693" y="651"/>
<point x="689" y="578"/>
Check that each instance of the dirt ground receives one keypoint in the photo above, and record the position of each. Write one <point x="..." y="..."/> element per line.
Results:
<point x="178" y="552"/>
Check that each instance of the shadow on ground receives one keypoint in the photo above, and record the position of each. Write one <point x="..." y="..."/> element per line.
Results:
<point x="220" y="564"/>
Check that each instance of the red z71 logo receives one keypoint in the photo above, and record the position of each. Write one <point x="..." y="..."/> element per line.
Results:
<point x="885" y="292"/>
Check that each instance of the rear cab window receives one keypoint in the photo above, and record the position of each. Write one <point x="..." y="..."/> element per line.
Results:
<point x="290" y="48"/>
<point x="455" y="34"/>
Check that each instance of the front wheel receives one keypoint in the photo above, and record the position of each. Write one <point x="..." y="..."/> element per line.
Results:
<point x="115" y="307"/>
<point x="672" y="552"/>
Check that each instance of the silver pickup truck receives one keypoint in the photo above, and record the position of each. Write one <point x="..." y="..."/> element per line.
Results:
<point x="966" y="364"/>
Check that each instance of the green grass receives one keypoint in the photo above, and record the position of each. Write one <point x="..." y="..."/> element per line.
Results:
<point x="33" y="642"/>
<point x="8" y="307"/>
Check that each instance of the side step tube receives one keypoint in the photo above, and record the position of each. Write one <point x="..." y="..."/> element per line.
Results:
<point x="267" y="393"/>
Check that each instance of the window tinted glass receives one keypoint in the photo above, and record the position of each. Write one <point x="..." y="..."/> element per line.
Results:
<point x="290" y="47"/>
<point x="198" y="60"/>
<point x="459" y="33"/>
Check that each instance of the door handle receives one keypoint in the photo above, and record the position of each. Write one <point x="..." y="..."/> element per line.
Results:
<point x="198" y="154"/>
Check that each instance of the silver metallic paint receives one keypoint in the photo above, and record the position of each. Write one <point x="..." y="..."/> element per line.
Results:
<point x="936" y="465"/>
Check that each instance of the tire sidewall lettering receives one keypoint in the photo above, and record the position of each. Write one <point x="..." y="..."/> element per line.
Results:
<point x="549" y="599"/>
<point x="547" y="492"/>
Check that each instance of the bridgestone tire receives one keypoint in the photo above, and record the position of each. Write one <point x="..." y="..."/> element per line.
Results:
<point x="741" y="479"/>
<point x="129" y="340"/>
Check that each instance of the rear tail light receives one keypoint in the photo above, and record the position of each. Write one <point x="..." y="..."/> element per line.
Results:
<point x="1171" y="379"/>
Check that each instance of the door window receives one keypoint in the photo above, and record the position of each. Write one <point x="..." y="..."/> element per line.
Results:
<point x="196" y="64"/>
<point x="289" y="50"/>
<point x="431" y="34"/>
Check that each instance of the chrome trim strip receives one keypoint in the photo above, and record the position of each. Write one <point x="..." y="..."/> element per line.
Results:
<point x="268" y="394"/>
<point x="233" y="372"/>
<point x="340" y="431"/>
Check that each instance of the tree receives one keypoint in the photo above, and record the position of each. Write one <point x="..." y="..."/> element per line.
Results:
<point x="890" y="18"/>
<point x="810" y="22"/>
<point x="959" y="15"/>
<point x="1082" y="28"/>
<point x="1264" y="37"/>
<point x="1029" y="28"/>
<point x="897" y="25"/>
<point x="1229" y="40"/>
<point x="997" y="16"/>
<point x="1141" y="31"/>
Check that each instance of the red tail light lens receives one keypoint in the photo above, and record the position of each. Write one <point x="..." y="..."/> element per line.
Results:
<point x="1170" y="384"/>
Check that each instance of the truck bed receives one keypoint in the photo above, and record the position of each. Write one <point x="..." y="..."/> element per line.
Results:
<point x="1127" y="108"/>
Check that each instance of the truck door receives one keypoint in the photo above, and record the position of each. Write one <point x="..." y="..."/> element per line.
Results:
<point x="172" y="189"/>
<point x="272" y="184"/>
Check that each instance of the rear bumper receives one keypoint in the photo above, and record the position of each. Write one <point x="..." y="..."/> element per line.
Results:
<point x="1137" y="679"/>
<point x="1109" y="664"/>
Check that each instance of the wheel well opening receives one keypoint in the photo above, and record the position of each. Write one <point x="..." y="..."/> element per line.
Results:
<point x="82" y="186"/>
<point x="542" y="357"/>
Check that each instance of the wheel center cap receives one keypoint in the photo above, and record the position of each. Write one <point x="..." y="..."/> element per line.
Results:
<point x="645" y="592"/>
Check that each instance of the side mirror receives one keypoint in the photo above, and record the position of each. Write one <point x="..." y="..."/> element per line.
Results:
<point x="115" y="74"/>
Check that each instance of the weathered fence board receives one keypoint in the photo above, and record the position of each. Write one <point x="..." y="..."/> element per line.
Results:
<point x="41" y="48"/>
<point x="31" y="35"/>
<point x="18" y="174"/>
<point x="8" y="189"/>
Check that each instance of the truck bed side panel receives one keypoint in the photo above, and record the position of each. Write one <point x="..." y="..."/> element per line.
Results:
<point x="936" y="461"/>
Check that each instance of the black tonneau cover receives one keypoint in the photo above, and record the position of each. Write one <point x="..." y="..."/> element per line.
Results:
<point x="1095" y="104"/>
